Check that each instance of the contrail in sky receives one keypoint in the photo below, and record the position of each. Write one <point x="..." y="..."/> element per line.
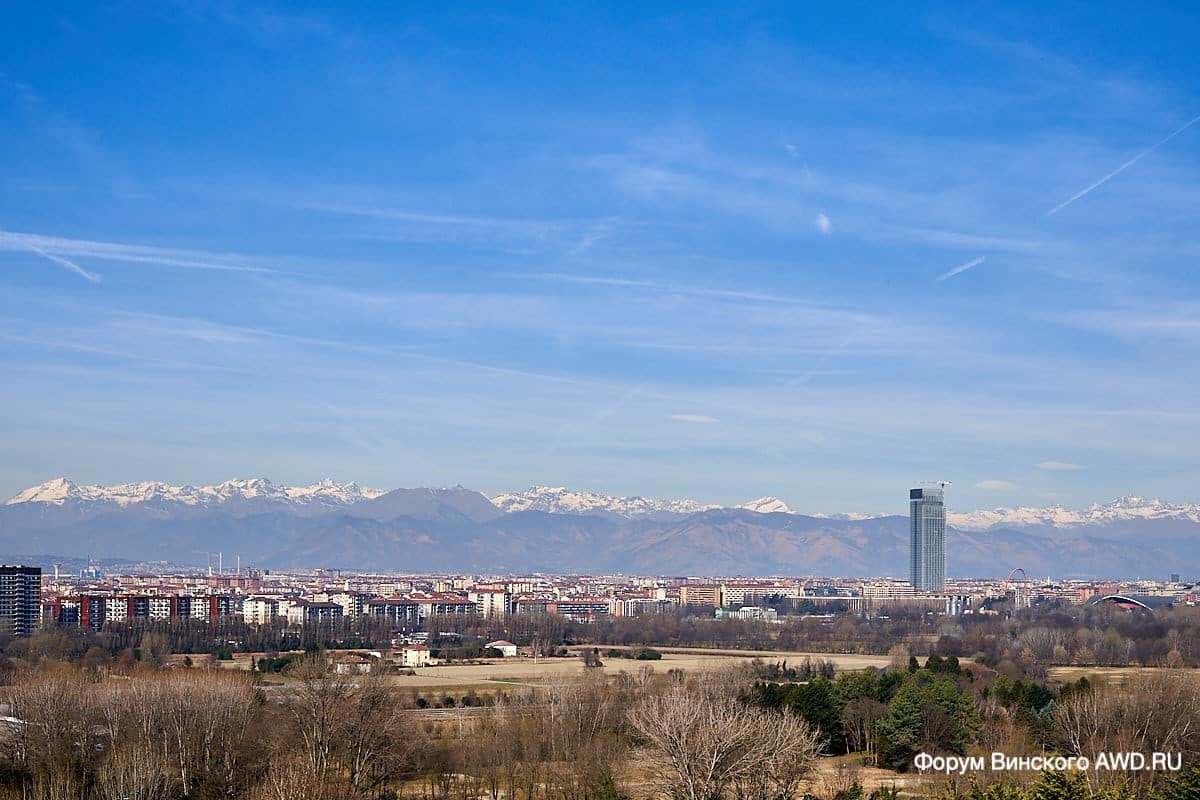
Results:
<point x="71" y="265"/>
<point x="1124" y="166"/>
<point x="975" y="262"/>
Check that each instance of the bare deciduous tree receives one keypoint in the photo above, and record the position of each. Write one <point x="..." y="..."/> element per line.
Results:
<point x="709" y="744"/>
<point x="59" y="742"/>
<point x="134" y="771"/>
<point x="377" y="745"/>
<point x="858" y="720"/>
<point x="318" y="708"/>
<point x="1149" y="713"/>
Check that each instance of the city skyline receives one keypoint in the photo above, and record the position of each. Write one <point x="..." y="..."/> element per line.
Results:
<point x="808" y="254"/>
<point x="265" y="525"/>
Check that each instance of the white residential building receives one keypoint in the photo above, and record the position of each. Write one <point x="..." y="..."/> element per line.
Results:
<point x="259" y="610"/>
<point x="490" y="602"/>
<point x="352" y="603"/>
<point x="116" y="609"/>
<point x="160" y="607"/>
<point x="507" y="649"/>
<point x="353" y="664"/>
<point x="414" y="655"/>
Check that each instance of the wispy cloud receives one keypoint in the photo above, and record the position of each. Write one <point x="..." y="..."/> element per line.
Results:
<point x="586" y="241"/>
<point x="701" y="419"/>
<point x="1124" y="166"/>
<point x="995" y="485"/>
<point x="64" y="262"/>
<point x="575" y="427"/>
<point x="976" y="241"/>
<point x="1059" y="465"/>
<point x="1161" y="319"/>
<point x="530" y="227"/>
<point x="824" y="224"/>
<point x="53" y="246"/>
<point x="665" y="288"/>
<point x="405" y="215"/>
<point x="961" y="268"/>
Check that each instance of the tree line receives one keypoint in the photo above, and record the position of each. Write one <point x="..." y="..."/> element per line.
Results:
<point x="159" y="734"/>
<point x="1046" y="635"/>
<point x="76" y="730"/>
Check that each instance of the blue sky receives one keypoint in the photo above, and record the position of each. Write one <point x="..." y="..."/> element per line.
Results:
<point x="684" y="251"/>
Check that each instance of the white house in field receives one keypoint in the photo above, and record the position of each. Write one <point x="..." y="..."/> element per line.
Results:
<point x="507" y="649"/>
<point x="414" y="655"/>
<point x="353" y="664"/>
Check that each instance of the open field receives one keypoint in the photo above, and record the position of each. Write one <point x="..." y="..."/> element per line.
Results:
<point x="843" y="662"/>
<point x="525" y="671"/>
<point x="519" y="671"/>
<point x="1112" y="675"/>
<point x="830" y="774"/>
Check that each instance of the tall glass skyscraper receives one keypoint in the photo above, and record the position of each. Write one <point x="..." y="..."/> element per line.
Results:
<point x="927" y="518"/>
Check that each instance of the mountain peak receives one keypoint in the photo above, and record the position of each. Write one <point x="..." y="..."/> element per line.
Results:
<point x="1129" y="507"/>
<point x="767" y="505"/>
<point x="560" y="500"/>
<point x="56" y="490"/>
<point x="61" y="490"/>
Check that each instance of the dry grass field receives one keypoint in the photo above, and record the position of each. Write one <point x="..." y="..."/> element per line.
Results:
<point x="526" y="671"/>
<point x="517" y="671"/>
<point x="830" y="775"/>
<point x="1057" y="676"/>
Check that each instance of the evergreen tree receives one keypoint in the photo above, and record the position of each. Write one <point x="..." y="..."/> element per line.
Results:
<point x="1184" y="786"/>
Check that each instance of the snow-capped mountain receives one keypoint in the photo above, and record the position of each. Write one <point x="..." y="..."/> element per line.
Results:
<point x="61" y="491"/>
<point x="850" y="516"/>
<point x="1123" y="509"/>
<point x="453" y="529"/>
<point x="767" y="505"/>
<point x="560" y="500"/>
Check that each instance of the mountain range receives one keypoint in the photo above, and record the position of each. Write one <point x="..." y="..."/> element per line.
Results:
<point x="554" y="529"/>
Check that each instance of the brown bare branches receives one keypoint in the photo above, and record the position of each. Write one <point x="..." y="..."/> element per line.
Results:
<point x="711" y="746"/>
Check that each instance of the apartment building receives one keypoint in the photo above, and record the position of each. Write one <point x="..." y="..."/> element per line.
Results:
<point x="94" y="611"/>
<point x="581" y="609"/>
<point x="353" y="603"/>
<point x="307" y="612"/>
<point x="260" y="610"/>
<point x="20" y="599"/>
<point x="490" y="603"/>
<point x="700" y="595"/>
<point x="637" y="606"/>
<point x="400" y="611"/>
<point x="445" y="605"/>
